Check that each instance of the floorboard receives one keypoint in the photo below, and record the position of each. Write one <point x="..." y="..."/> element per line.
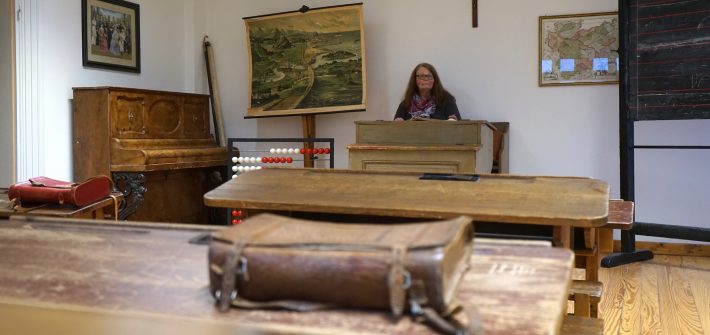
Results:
<point x="666" y="295"/>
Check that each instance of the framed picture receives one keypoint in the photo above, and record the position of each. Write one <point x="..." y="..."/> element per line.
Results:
<point x="111" y="35"/>
<point x="306" y="62"/>
<point x="580" y="49"/>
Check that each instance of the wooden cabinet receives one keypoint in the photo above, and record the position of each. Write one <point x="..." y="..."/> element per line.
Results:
<point x="155" y="145"/>
<point x="423" y="146"/>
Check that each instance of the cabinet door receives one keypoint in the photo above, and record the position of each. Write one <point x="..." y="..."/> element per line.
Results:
<point x="196" y="120"/>
<point x="127" y="114"/>
<point x="163" y="116"/>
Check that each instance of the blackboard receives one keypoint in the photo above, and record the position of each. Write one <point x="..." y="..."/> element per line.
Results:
<point x="668" y="59"/>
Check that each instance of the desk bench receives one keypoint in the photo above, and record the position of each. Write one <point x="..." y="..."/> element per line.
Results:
<point x="97" y="210"/>
<point x="141" y="278"/>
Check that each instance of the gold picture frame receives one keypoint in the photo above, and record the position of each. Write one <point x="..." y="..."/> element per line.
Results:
<point x="304" y="62"/>
<point x="578" y="49"/>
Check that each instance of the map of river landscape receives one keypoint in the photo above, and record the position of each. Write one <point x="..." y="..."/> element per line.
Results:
<point x="306" y="62"/>
<point x="577" y="50"/>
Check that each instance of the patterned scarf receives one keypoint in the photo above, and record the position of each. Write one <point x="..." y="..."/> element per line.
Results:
<point x="422" y="108"/>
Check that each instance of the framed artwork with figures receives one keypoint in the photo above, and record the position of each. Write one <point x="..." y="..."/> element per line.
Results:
<point x="111" y="35"/>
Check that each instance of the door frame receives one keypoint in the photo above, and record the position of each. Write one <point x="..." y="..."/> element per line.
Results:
<point x="11" y="116"/>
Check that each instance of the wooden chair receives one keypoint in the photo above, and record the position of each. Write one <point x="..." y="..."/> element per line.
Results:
<point x="586" y="296"/>
<point x="577" y="325"/>
<point x="621" y="216"/>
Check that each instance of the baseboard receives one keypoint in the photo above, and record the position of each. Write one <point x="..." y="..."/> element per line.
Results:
<point x="679" y="249"/>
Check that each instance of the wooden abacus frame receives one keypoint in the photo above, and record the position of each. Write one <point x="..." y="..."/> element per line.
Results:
<point x="330" y="141"/>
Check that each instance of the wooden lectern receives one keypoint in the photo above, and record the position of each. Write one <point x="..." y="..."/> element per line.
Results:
<point x="423" y="146"/>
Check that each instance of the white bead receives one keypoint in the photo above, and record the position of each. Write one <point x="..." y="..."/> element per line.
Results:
<point x="234" y="159"/>
<point x="259" y="167"/>
<point x="272" y="150"/>
<point x="234" y="168"/>
<point x="234" y="176"/>
<point x="258" y="159"/>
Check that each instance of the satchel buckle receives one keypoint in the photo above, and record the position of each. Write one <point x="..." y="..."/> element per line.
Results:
<point x="242" y="269"/>
<point x="407" y="282"/>
<point x="415" y="308"/>
<point x="232" y="295"/>
<point x="417" y="297"/>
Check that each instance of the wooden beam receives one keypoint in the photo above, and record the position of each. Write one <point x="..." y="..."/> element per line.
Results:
<point x="474" y="12"/>
<point x="309" y="131"/>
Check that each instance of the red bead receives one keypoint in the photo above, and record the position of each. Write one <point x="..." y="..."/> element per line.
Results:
<point x="269" y="160"/>
<point x="234" y="213"/>
<point x="320" y="150"/>
<point x="327" y="150"/>
<point x="282" y="160"/>
<point x="303" y="151"/>
<point x="235" y="221"/>
<point x="264" y="159"/>
<point x="239" y="213"/>
<point x="289" y="160"/>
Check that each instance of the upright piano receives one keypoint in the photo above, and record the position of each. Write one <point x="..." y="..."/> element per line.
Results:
<point x="155" y="145"/>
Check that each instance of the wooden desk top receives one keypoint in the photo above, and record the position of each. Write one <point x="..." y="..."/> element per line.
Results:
<point x="559" y="201"/>
<point x="91" y="277"/>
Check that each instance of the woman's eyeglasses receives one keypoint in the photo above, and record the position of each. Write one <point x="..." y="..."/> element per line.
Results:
<point x="425" y="77"/>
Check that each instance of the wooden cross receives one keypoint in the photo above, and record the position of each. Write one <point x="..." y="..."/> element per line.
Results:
<point x="474" y="6"/>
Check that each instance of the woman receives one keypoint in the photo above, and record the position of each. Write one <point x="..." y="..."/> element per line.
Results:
<point x="426" y="98"/>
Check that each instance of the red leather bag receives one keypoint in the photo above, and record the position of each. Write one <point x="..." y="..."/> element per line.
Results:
<point x="48" y="190"/>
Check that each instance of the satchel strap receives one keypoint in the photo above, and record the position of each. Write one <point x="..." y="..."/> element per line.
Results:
<point x="291" y="305"/>
<point x="444" y="324"/>
<point x="228" y="291"/>
<point x="398" y="280"/>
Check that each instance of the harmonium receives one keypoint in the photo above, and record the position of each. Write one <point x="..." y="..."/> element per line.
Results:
<point x="156" y="146"/>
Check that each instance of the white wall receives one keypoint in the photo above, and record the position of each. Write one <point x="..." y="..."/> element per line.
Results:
<point x="492" y="70"/>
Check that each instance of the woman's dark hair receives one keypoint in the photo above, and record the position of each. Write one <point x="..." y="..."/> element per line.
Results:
<point x="438" y="93"/>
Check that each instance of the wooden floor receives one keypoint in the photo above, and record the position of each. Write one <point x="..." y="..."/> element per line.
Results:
<point x="667" y="295"/>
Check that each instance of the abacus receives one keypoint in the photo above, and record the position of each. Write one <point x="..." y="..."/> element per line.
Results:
<point x="290" y="152"/>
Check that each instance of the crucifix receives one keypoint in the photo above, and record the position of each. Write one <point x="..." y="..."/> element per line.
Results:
<point x="474" y="7"/>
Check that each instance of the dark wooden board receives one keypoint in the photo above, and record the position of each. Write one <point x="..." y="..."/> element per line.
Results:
<point x="668" y="59"/>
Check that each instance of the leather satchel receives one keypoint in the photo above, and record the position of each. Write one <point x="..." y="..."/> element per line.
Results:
<point x="271" y="261"/>
<point x="48" y="190"/>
